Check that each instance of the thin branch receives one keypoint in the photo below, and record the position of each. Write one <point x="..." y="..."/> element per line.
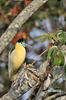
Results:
<point x="39" y="56"/>
<point x="56" y="78"/>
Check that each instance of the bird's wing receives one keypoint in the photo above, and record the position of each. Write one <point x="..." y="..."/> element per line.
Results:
<point x="10" y="65"/>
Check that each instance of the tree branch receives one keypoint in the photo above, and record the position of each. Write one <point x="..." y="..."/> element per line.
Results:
<point x="18" y="22"/>
<point x="56" y="96"/>
<point x="28" y="77"/>
<point x="45" y="93"/>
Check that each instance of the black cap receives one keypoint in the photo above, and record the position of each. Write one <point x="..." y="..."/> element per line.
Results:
<point x="20" y="40"/>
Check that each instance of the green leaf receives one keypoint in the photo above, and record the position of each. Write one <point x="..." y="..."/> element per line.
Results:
<point x="63" y="37"/>
<point x="53" y="36"/>
<point x="42" y="36"/>
<point x="43" y="40"/>
<point x="46" y="35"/>
<point x="51" y="52"/>
<point x="59" y="31"/>
<point x="56" y="56"/>
<point x="50" y="39"/>
<point x="39" y="37"/>
<point x="59" y="58"/>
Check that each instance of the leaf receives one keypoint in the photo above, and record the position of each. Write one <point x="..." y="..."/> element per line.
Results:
<point x="53" y="36"/>
<point x="50" y="39"/>
<point x="63" y="37"/>
<point x="39" y="37"/>
<point x="59" y="58"/>
<point x="51" y="52"/>
<point x="56" y="56"/>
<point x="42" y="36"/>
<point x="59" y="31"/>
<point x="43" y="40"/>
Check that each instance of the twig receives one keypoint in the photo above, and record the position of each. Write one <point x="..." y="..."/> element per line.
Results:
<point x="56" y="78"/>
<point x="39" y="56"/>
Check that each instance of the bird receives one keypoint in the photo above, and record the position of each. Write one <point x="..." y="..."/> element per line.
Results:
<point x="16" y="58"/>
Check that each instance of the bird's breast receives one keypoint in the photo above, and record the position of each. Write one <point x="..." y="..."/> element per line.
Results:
<point x="18" y="57"/>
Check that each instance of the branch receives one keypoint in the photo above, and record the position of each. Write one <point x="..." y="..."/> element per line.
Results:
<point x="44" y="94"/>
<point x="18" y="22"/>
<point x="61" y="98"/>
<point x="56" y="78"/>
<point x="56" y="96"/>
<point x="28" y="78"/>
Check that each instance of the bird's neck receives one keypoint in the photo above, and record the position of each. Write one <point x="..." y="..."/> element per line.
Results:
<point x="19" y="46"/>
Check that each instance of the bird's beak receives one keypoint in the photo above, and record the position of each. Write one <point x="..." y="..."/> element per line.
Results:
<point x="28" y="45"/>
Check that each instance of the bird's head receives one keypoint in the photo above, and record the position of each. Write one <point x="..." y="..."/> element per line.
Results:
<point x="23" y="43"/>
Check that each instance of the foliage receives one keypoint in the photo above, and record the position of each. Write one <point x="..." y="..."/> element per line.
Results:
<point x="62" y="36"/>
<point x="46" y="36"/>
<point x="51" y="36"/>
<point x="56" y="56"/>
